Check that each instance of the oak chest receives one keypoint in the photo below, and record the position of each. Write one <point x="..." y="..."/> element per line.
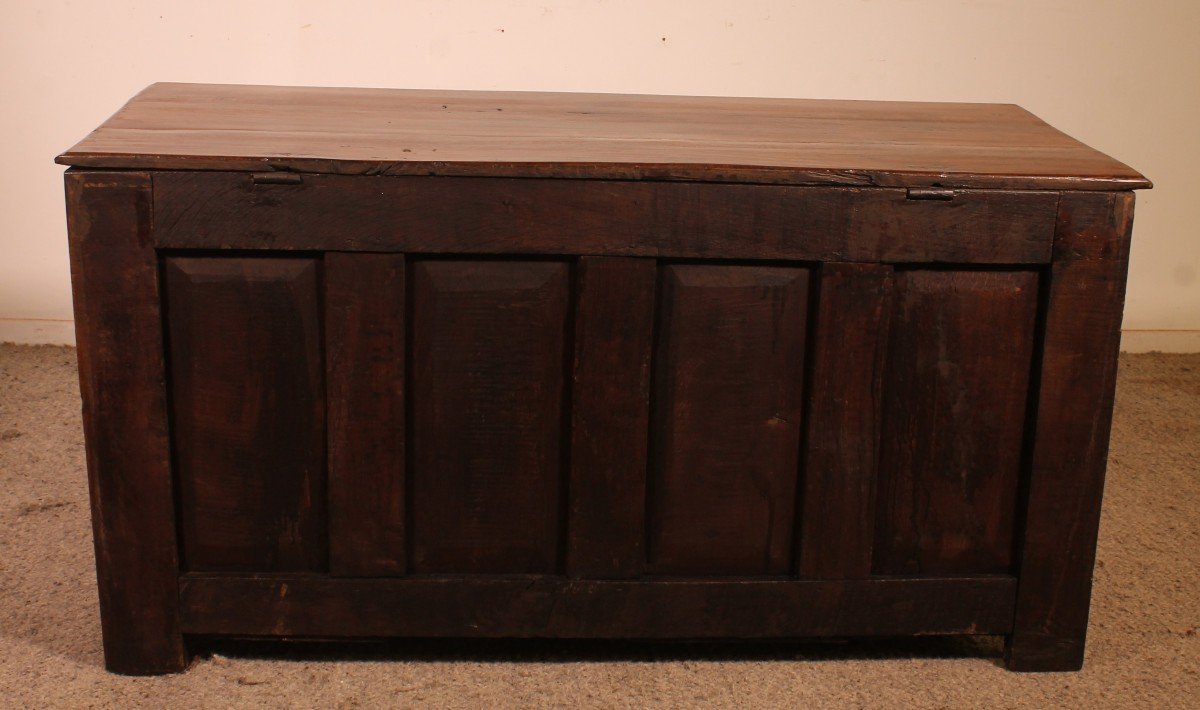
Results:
<point x="374" y="363"/>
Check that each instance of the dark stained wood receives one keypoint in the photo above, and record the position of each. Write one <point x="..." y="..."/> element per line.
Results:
<point x="726" y="428"/>
<point x="373" y="131"/>
<point x="247" y="396"/>
<point x="365" y="349"/>
<point x="610" y="410"/>
<point x="480" y="364"/>
<point x="1070" y="444"/>
<point x="616" y="218"/>
<point x="845" y="402"/>
<point x="118" y="327"/>
<point x="551" y="607"/>
<point x="489" y="356"/>
<point x="957" y="380"/>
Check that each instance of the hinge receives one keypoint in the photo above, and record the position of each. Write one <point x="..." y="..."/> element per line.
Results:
<point x="276" y="178"/>
<point x="929" y="193"/>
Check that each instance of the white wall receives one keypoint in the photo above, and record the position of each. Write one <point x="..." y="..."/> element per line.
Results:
<point x="1122" y="76"/>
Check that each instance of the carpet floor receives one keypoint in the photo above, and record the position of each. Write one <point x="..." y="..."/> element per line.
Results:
<point x="1143" y="646"/>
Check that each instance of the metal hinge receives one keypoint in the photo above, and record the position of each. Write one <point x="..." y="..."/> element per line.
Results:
<point x="930" y="193"/>
<point x="276" y="178"/>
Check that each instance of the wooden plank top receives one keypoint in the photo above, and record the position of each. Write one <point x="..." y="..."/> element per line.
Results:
<point x="611" y="136"/>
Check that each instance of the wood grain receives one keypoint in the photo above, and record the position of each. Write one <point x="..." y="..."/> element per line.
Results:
<point x="444" y="363"/>
<point x="954" y="407"/>
<point x="610" y="410"/>
<point x="844" y="408"/>
<point x="549" y="607"/>
<point x="118" y="326"/>
<point x="1070" y="444"/>
<point x="248" y="412"/>
<point x="489" y="349"/>
<point x="510" y="134"/>
<point x="365" y="309"/>
<point x="726" y="423"/>
<point x="196" y="210"/>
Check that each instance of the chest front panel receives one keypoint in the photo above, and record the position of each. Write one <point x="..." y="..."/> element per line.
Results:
<point x="389" y="412"/>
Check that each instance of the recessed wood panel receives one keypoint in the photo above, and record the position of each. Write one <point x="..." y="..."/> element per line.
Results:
<point x="956" y="384"/>
<point x="248" y="412"/>
<point x="488" y="369"/>
<point x="726" y="427"/>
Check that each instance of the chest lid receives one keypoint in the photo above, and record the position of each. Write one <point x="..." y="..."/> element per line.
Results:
<point x="172" y="126"/>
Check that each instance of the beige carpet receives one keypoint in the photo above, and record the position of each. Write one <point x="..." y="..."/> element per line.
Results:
<point x="1143" y="648"/>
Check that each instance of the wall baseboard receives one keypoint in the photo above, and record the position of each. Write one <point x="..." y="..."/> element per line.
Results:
<point x="25" y="331"/>
<point x="30" y="331"/>
<point x="1164" y="341"/>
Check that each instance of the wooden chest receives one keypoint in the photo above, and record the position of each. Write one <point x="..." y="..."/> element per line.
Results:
<point x="373" y="363"/>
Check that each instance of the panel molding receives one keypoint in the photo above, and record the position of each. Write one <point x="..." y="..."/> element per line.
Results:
<point x="726" y="419"/>
<point x="489" y="355"/>
<point x="248" y="423"/>
<point x="954" y="415"/>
